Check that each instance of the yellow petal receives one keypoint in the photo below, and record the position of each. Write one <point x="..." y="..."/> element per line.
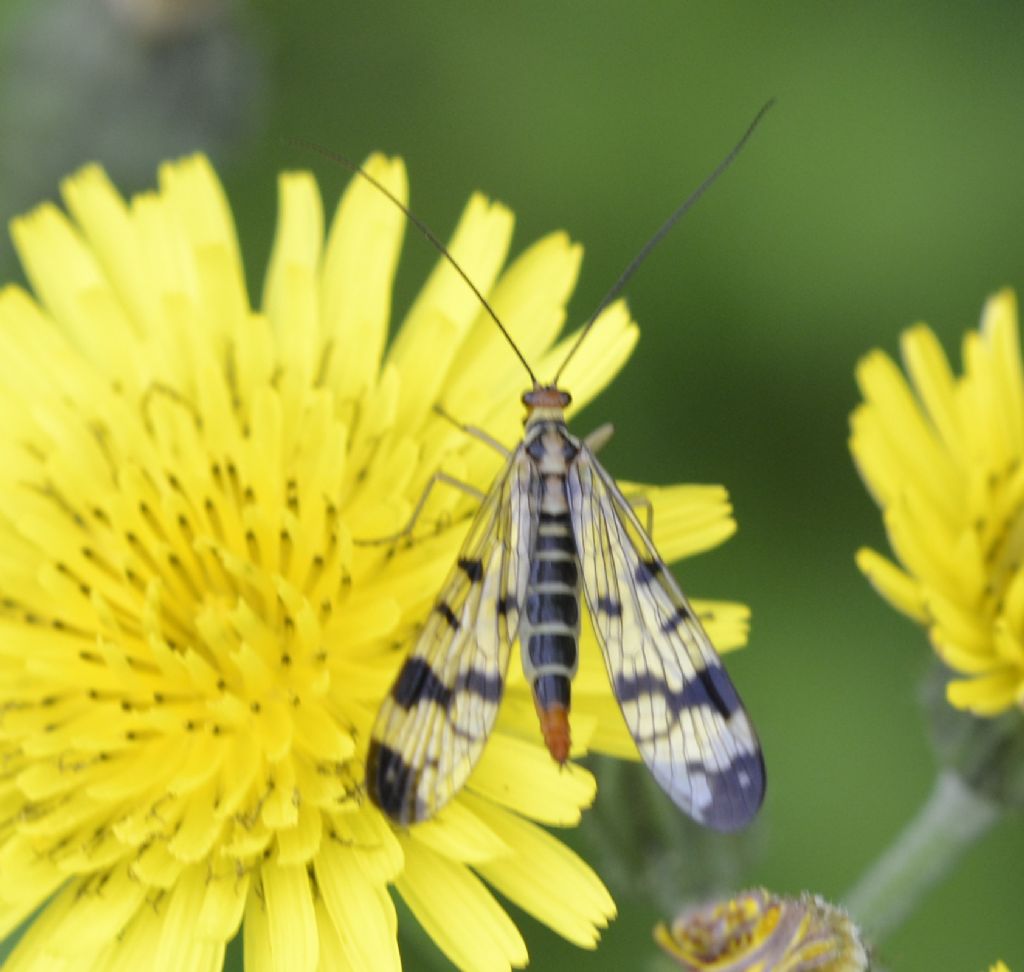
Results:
<point x="896" y="586"/>
<point x="291" y="921"/>
<point x="529" y="299"/>
<point x="428" y="350"/>
<point x="358" y="269"/>
<point x="107" y="225"/>
<point x="988" y="695"/>
<point x="933" y="380"/>
<point x="483" y="938"/>
<point x="299" y="844"/>
<point x="919" y="457"/>
<point x="256" y="936"/>
<point x="546" y="879"/>
<point x="999" y="324"/>
<point x="360" y="910"/>
<point x="459" y="834"/>
<point x="524" y="777"/>
<point x="223" y="905"/>
<point x="600" y="357"/>
<point x="295" y="257"/>
<point x="178" y="947"/>
<point x="201" y="218"/>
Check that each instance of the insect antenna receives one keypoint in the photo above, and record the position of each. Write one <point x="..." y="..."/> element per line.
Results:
<point x="662" y="232"/>
<point x="425" y="231"/>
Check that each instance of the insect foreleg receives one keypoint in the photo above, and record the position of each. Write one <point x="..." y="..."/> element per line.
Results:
<point x="438" y="477"/>
<point x="474" y="431"/>
<point x="599" y="438"/>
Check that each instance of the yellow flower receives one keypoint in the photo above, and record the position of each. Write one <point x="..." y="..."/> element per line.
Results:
<point x="999" y="967"/>
<point x="760" y="932"/>
<point x="193" y="644"/>
<point x="943" y="458"/>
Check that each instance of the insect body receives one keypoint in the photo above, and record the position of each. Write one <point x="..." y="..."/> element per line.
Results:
<point x="555" y="525"/>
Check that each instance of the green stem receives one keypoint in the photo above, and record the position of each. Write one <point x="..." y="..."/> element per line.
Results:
<point x="952" y="819"/>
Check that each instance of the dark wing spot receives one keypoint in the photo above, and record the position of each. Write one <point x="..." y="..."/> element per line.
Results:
<point x="417" y="682"/>
<point x="448" y="614"/>
<point x="719" y="689"/>
<point x="670" y="624"/>
<point x="711" y="686"/>
<point x="485" y="685"/>
<point x="390" y="781"/>
<point x="472" y="568"/>
<point x="610" y="606"/>
<point x="505" y="605"/>
<point x="647" y="570"/>
<point x="736" y="792"/>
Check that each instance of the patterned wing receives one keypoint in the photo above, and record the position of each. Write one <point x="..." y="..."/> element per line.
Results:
<point x="431" y="729"/>
<point x="680" y="706"/>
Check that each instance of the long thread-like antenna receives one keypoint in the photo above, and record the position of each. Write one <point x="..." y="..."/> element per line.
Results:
<point x="662" y="233"/>
<point x="426" y="231"/>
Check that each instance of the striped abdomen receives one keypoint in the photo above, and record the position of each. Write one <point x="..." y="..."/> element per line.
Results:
<point x="550" y="626"/>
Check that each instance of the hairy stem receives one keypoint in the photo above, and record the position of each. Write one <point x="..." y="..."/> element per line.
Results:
<point x="951" y="819"/>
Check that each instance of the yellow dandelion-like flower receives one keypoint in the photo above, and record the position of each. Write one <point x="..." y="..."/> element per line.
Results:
<point x="761" y="932"/>
<point x="943" y="458"/>
<point x="194" y="644"/>
<point x="999" y="967"/>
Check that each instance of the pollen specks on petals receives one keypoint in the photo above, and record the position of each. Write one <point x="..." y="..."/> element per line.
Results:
<point x="83" y="917"/>
<point x="195" y="632"/>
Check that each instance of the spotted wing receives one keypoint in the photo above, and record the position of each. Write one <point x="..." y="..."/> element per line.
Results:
<point x="681" y="708"/>
<point x="431" y="729"/>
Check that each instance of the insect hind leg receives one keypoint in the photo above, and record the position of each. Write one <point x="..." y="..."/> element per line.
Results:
<point x="406" y="531"/>
<point x="638" y="501"/>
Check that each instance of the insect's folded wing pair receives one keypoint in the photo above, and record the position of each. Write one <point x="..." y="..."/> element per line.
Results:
<point x="431" y="729"/>
<point x="679" y="704"/>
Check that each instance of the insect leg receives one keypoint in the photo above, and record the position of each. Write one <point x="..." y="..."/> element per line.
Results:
<point x="599" y="438"/>
<point x="474" y="431"/>
<point x="438" y="477"/>
<point x="640" y="502"/>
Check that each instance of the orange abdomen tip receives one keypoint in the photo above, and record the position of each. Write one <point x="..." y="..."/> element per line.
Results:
<point x="554" y="724"/>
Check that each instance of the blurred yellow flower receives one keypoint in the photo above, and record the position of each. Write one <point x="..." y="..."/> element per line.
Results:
<point x="760" y="932"/>
<point x="999" y="967"/>
<point x="943" y="458"/>
<point x="194" y="646"/>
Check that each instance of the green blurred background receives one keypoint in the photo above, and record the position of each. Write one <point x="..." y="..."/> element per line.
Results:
<point x="886" y="187"/>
